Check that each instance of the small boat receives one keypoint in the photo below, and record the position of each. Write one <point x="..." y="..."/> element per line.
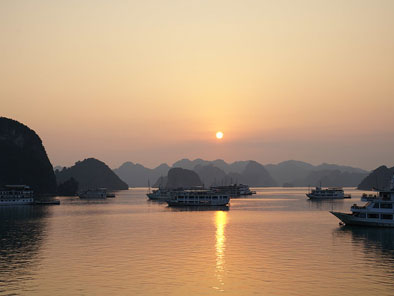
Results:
<point x="327" y="193"/>
<point x="111" y="195"/>
<point x="160" y="194"/>
<point x="94" y="193"/>
<point x="16" y="195"/>
<point x="198" y="198"/>
<point x="379" y="210"/>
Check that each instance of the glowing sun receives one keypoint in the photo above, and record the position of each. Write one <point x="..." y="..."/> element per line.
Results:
<point x="219" y="135"/>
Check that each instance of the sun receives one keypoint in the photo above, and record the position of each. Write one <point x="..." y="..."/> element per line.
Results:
<point x="219" y="135"/>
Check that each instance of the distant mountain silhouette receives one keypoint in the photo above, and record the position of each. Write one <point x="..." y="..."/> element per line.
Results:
<point x="161" y="182"/>
<point x="23" y="159"/>
<point x="342" y="168"/>
<point x="379" y="178"/>
<point x="190" y="164"/>
<point x="235" y="167"/>
<point x="182" y="178"/>
<point x="288" y="171"/>
<point x="136" y="175"/>
<point x="253" y="173"/>
<point x="298" y="173"/>
<point x="331" y="178"/>
<point x="218" y="172"/>
<point x="91" y="173"/>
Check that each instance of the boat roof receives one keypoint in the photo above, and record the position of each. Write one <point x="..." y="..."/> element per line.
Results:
<point x="329" y="188"/>
<point x="16" y="187"/>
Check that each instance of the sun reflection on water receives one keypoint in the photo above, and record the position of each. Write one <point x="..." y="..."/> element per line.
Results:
<point x="220" y="246"/>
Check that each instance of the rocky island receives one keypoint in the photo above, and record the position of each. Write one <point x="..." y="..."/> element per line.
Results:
<point x="91" y="173"/>
<point x="23" y="159"/>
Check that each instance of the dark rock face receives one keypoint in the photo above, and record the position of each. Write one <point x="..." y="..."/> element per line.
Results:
<point x="210" y="175"/>
<point x="23" y="159"/>
<point x="68" y="188"/>
<point x="379" y="179"/>
<point x="255" y="174"/>
<point x="182" y="178"/>
<point x="91" y="173"/>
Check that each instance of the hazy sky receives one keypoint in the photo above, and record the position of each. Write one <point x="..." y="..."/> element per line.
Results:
<point x="152" y="81"/>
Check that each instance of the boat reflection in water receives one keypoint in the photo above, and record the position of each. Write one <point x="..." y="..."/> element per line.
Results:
<point x="220" y="222"/>
<point x="22" y="232"/>
<point x="198" y="208"/>
<point x="377" y="243"/>
<point x="327" y="204"/>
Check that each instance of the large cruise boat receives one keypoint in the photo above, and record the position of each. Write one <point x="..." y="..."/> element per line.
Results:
<point x="234" y="190"/>
<point x="198" y="198"/>
<point x="378" y="211"/>
<point x="16" y="195"/>
<point x="327" y="193"/>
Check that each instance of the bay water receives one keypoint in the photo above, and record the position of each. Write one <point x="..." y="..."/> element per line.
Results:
<point x="273" y="243"/>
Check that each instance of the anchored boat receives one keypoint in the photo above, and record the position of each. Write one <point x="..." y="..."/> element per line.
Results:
<point x="234" y="190"/>
<point x="378" y="211"/>
<point x="198" y="198"/>
<point x="16" y="195"/>
<point x="327" y="193"/>
<point x="94" y="193"/>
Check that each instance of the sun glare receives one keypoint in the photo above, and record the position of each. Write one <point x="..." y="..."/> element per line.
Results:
<point x="219" y="135"/>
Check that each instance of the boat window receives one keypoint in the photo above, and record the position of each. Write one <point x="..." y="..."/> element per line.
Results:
<point x="387" y="217"/>
<point x="386" y="206"/>
<point x="362" y="215"/>
<point x="373" y="216"/>
<point x="376" y="206"/>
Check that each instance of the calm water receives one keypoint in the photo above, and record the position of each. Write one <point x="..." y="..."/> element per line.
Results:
<point x="274" y="243"/>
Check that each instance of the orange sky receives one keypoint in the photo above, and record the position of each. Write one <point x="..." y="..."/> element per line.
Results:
<point x="152" y="81"/>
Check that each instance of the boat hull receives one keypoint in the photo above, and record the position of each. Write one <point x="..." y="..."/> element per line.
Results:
<point x="10" y="202"/>
<point x="152" y="196"/>
<point x="196" y="204"/>
<point x="317" y="197"/>
<point x="349" y="219"/>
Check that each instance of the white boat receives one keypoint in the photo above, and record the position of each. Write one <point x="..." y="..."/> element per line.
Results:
<point x="94" y="193"/>
<point x="234" y="190"/>
<point x="198" y="198"/>
<point x="16" y="195"/>
<point x="160" y="194"/>
<point x="327" y="193"/>
<point x="379" y="210"/>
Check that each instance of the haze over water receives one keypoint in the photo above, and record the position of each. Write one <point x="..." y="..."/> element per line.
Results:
<point x="274" y="243"/>
<point x="153" y="81"/>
